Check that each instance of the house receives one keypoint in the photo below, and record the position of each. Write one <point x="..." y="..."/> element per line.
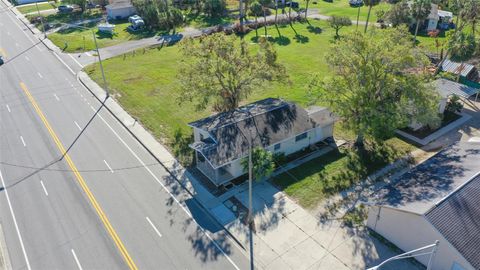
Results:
<point x="465" y="70"/>
<point x="437" y="200"/>
<point x="120" y="9"/>
<point x="438" y="19"/>
<point x="222" y="140"/>
<point x="23" y="2"/>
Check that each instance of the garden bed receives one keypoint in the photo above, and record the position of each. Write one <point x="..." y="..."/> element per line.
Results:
<point x="424" y="132"/>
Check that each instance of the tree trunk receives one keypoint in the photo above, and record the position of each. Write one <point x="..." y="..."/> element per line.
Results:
<point x="306" y="10"/>
<point x="359" y="142"/>
<point x="358" y="16"/>
<point x="368" y="18"/>
<point x="256" y="26"/>
<point x="290" y="12"/>
<point x="265" y="21"/>
<point x="276" y="11"/>
<point x="336" y="33"/>
<point x="416" y="32"/>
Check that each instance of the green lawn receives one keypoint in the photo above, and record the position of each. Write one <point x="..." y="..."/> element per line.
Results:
<point x="146" y="82"/>
<point x="145" y="85"/>
<point x="342" y="8"/>
<point x="33" y="8"/>
<point x="76" y="38"/>
<point x="336" y="171"/>
<point x="62" y="18"/>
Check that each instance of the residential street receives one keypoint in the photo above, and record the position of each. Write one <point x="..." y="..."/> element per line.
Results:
<point x="105" y="204"/>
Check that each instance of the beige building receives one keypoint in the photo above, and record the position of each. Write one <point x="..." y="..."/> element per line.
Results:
<point x="437" y="200"/>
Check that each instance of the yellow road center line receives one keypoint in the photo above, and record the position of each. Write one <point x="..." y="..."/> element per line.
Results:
<point x="81" y="181"/>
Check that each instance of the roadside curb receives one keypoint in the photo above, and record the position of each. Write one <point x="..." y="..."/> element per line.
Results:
<point x="171" y="165"/>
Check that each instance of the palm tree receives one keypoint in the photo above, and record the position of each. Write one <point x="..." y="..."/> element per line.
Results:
<point x="460" y="47"/>
<point x="370" y="4"/>
<point x="256" y="9"/>
<point x="358" y="14"/>
<point x="419" y="10"/>
<point x="306" y="9"/>
<point x="265" y="4"/>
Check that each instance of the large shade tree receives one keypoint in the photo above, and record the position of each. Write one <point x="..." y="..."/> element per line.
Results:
<point x="398" y="14"/>
<point x="375" y="88"/>
<point x="221" y="71"/>
<point x="470" y="13"/>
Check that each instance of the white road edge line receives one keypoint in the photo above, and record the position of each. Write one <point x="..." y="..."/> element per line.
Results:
<point x="153" y="226"/>
<point x="23" y="141"/>
<point x="15" y="222"/>
<point x="40" y="75"/>
<point x="78" y="63"/>
<point x="110" y="168"/>
<point x="44" y="189"/>
<point x="171" y="195"/>
<point x="76" y="260"/>
<point x="78" y="126"/>
<point x="63" y="62"/>
<point x="56" y="97"/>
<point x="8" y="108"/>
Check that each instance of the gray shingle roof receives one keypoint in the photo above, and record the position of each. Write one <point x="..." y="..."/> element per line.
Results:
<point x="448" y="88"/>
<point x="454" y="67"/>
<point x="268" y="121"/>
<point x="418" y="190"/>
<point x="457" y="218"/>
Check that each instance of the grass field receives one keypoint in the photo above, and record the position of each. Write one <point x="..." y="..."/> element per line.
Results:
<point x="145" y="85"/>
<point x="342" y="8"/>
<point x="33" y="8"/>
<point x="80" y="39"/>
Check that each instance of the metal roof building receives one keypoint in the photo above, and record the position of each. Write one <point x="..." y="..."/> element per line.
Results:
<point x="437" y="200"/>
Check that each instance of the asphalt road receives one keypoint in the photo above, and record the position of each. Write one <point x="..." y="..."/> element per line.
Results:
<point x="104" y="205"/>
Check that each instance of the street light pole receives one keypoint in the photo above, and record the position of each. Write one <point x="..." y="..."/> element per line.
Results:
<point x="41" y="19"/>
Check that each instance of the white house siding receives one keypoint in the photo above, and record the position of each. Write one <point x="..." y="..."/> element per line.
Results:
<point x="123" y="12"/>
<point x="23" y="2"/>
<point x="410" y="231"/>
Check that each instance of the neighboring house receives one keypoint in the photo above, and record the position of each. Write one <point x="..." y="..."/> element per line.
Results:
<point x="437" y="200"/>
<point x="438" y="19"/>
<point x="120" y="9"/>
<point x="23" y="2"/>
<point x="446" y="89"/>
<point x="221" y="140"/>
<point x="465" y="70"/>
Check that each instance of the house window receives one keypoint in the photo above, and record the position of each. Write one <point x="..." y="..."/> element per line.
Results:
<point x="276" y="147"/>
<point x="301" y="137"/>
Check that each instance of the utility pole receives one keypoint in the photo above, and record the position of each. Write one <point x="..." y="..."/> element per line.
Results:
<point x="250" y="210"/>
<point x="41" y="19"/>
<point x="105" y="85"/>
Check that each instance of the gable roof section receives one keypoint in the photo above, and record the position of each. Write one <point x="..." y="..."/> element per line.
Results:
<point x="457" y="218"/>
<point x="117" y="4"/>
<point x="267" y="121"/>
<point x="448" y="88"/>
<point x="418" y="190"/>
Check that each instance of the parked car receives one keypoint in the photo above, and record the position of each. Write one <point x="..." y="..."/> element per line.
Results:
<point x="355" y="3"/>
<point x="1" y="60"/>
<point x="65" y="9"/>
<point x="294" y="4"/>
<point x="133" y="18"/>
